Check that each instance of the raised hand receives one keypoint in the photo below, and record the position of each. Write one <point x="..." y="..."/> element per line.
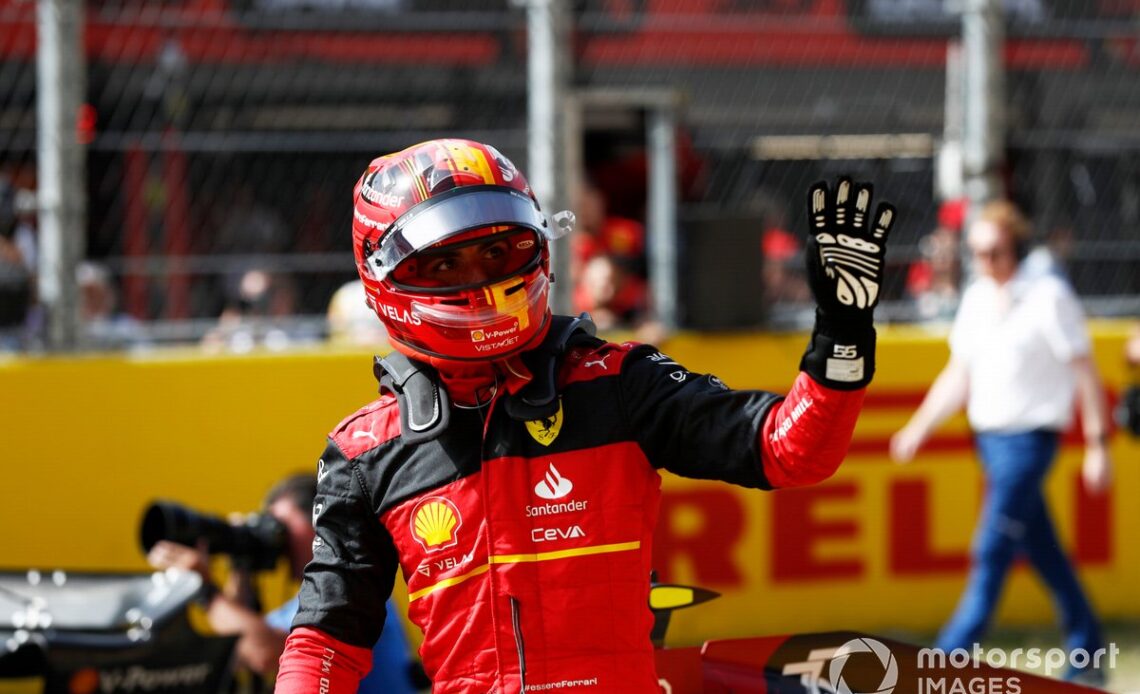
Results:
<point x="846" y="246"/>
<point x="845" y="250"/>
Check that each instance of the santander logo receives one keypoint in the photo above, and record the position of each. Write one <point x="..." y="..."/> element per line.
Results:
<point x="553" y="485"/>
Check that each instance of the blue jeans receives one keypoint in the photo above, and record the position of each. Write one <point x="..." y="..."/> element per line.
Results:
<point x="1015" y="519"/>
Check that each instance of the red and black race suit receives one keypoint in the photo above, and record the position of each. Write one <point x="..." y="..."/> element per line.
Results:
<point x="526" y="546"/>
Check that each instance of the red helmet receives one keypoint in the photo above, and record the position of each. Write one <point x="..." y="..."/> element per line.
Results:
<point x="449" y="194"/>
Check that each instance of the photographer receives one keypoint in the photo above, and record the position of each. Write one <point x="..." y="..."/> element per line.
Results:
<point x="262" y="637"/>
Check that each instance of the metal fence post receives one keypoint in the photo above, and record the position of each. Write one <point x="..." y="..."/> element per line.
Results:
<point x="61" y="161"/>
<point x="662" y="214"/>
<point x="548" y="70"/>
<point x="983" y="38"/>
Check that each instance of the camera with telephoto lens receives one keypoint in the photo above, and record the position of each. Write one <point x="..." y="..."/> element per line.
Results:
<point x="254" y="545"/>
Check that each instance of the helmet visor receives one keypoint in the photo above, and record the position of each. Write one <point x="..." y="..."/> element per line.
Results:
<point x="450" y="214"/>
<point x="471" y="259"/>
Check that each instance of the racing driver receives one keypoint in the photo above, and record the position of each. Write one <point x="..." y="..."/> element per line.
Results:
<point x="510" y="467"/>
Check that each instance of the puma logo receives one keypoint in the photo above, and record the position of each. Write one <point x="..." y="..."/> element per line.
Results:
<point x="598" y="362"/>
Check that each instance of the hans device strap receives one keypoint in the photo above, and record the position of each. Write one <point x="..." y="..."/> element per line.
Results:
<point x="425" y="408"/>
<point x="539" y="398"/>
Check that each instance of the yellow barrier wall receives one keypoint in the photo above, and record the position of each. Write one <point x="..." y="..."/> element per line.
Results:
<point x="88" y="442"/>
<point x="880" y="546"/>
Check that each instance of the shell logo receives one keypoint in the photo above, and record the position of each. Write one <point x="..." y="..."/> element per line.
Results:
<point x="435" y="523"/>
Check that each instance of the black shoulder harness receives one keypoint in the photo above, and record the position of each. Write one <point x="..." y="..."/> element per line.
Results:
<point x="425" y="408"/>
<point x="539" y="398"/>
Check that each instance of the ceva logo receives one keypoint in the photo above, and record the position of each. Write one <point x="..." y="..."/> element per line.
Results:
<point x="553" y="485"/>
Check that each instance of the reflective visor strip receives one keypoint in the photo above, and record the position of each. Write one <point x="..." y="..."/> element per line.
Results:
<point x="449" y="214"/>
<point x="520" y="558"/>
<point x="499" y="305"/>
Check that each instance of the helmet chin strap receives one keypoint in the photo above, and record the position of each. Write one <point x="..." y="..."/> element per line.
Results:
<point x="470" y="384"/>
<point x="482" y="397"/>
<point x="516" y="372"/>
<point x="474" y="384"/>
<point x="514" y="366"/>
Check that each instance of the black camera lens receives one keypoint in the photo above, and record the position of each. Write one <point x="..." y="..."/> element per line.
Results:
<point x="255" y="545"/>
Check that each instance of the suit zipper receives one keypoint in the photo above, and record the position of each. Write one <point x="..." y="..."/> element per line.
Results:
<point x="516" y="619"/>
<point x="516" y="622"/>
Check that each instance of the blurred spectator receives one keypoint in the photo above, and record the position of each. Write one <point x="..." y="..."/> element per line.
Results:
<point x="615" y="300"/>
<point x="17" y="272"/>
<point x="783" y="268"/>
<point x="608" y="263"/>
<point x="1128" y="408"/>
<point x="25" y="236"/>
<point x="245" y="227"/>
<point x="932" y="282"/>
<point x="1132" y="347"/>
<point x="352" y="322"/>
<point x="251" y="227"/>
<point x="612" y="297"/>
<point x="1019" y="355"/>
<point x="762" y="221"/>
<point x="597" y="232"/>
<point x="104" y="326"/>
<point x="258" y="315"/>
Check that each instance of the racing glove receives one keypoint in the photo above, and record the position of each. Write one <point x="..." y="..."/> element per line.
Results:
<point x="844" y="255"/>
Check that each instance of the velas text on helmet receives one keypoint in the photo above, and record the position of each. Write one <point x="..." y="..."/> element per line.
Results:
<point x="400" y="315"/>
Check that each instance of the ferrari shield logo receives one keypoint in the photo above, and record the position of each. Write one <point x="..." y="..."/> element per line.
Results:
<point x="546" y="430"/>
